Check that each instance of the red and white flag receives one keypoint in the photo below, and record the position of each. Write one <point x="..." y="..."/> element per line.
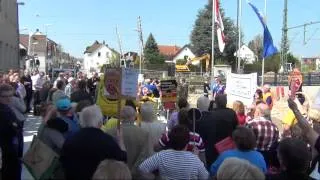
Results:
<point x="220" y="28"/>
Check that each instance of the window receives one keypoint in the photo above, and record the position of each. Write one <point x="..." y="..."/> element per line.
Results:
<point x="107" y="54"/>
<point x="99" y="54"/>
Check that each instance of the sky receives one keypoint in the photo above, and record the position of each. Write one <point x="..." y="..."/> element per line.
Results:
<point x="77" y="24"/>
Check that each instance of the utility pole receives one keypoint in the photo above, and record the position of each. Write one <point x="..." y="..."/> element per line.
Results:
<point x="284" y="40"/>
<point x="141" y="44"/>
<point x="119" y="42"/>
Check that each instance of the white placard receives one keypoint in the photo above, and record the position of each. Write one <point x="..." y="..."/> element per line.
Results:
<point x="129" y="82"/>
<point x="316" y="103"/>
<point x="241" y="87"/>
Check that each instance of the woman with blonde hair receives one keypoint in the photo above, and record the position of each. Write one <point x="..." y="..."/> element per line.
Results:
<point x="235" y="168"/>
<point x="112" y="169"/>
<point x="238" y="107"/>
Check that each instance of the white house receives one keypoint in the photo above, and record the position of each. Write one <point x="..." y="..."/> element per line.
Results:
<point x="246" y="54"/>
<point x="97" y="55"/>
<point x="183" y="53"/>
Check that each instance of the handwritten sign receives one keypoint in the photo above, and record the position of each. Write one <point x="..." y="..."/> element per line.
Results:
<point x="168" y="90"/>
<point x="112" y="83"/>
<point x="129" y="82"/>
<point x="241" y="87"/>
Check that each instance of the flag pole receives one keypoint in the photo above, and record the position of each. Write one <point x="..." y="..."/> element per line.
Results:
<point x="265" y="18"/>
<point x="239" y="34"/>
<point x="212" y="33"/>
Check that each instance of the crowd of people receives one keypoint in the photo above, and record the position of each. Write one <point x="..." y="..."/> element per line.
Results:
<point x="225" y="143"/>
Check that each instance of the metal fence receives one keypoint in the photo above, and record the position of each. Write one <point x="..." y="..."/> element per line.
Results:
<point x="309" y="79"/>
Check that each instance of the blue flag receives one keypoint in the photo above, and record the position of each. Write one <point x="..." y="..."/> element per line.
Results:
<point x="268" y="48"/>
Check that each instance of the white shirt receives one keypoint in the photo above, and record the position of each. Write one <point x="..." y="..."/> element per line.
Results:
<point x="34" y="81"/>
<point x="37" y="82"/>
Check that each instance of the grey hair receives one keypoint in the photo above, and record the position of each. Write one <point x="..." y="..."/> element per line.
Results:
<point x="265" y="112"/>
<point x="91" y="116"/>
<point x="235" y="168"/>
<point x="112" y="169"/>
<point x="146" y="112"/>
<point x="128" y="114"/>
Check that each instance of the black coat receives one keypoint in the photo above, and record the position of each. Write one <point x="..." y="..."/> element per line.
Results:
<point x="214" y="127"/>
<point x="82" y="153"/>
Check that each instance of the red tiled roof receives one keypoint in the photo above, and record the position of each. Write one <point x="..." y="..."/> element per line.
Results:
<point x="168" y="50"/>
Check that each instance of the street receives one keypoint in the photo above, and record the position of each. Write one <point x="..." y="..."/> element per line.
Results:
<point x="30" y="129"/>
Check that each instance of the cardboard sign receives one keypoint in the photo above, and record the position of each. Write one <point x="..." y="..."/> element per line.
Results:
<point x="109" y="107"/>
<point x="168" y="90"/>
<point x="112" y="79"/>
<point x="129" y="82"/>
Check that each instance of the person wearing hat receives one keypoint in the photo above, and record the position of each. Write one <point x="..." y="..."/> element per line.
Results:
<point x="65" y="112"/>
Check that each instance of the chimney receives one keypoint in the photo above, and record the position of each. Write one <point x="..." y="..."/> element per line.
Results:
<point x="37" y="30"/>
<point x="103" y="42"/>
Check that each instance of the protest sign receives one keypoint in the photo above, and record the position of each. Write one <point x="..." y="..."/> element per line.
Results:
<point x="112" y="82"/>
<point x="169" y="93"/>
<point x="241" y="87"/>
<point x="295" y="82"/>
<point x="129" y="82"/>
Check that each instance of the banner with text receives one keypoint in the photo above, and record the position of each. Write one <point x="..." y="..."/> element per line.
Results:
<point x="129" y="82"/>
<point x="241" y="87"/>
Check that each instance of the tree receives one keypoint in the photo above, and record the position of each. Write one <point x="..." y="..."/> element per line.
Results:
<point x="294" y="60"/>
<point x="115" y="59"/>
<point x="201" y="36"/>
<point x="151" y="52"/>
<point x="256" y="45"/>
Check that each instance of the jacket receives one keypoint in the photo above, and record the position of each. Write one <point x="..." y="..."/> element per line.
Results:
<point x="18" y="107"/>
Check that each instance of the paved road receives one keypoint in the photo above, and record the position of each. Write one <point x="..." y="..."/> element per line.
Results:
<point x="30" y="129"/>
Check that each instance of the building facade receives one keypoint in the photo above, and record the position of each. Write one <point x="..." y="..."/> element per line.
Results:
<point x="9" y="35"/>
<point x="43" y="52"/>
<point x="97" y="55"/>
<point x="184" y="53"/>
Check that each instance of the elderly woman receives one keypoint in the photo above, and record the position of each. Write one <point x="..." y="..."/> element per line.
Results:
<point x="235" y="168"/>
<point x="82" y="153"/>
<point x="245" y="141"/>
<point x="150" y="124"/>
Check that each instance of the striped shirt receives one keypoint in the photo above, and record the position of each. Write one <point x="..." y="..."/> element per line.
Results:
<point x="174" y="164"/>
<point x="195" y="140"/>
